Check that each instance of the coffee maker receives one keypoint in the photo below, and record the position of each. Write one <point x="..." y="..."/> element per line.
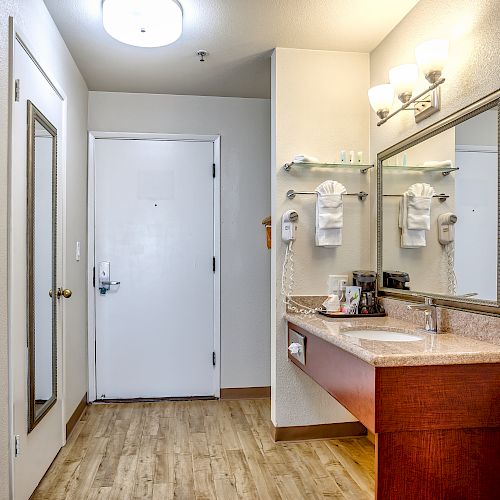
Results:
<point x="367" y="281"/>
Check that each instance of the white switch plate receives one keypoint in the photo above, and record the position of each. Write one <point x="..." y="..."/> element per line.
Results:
<point x="77" y="251"/>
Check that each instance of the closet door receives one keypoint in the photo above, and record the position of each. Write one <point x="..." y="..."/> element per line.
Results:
<point x="35" y="273"/>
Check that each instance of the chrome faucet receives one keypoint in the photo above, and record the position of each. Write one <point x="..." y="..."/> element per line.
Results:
<point x="430" y="313"/>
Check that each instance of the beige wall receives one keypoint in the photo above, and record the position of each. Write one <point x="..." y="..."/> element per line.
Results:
<point x="245" y="143"/>
<point x="33" y="19"/>
<point x="471" y="73"/>
<point x="319" y="107"/>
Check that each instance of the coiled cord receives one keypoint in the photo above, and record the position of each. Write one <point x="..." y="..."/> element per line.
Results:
<point x="288" y="284"/>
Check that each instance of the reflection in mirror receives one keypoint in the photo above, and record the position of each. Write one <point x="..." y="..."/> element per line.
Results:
<point x="41" y="265"/>
<point x="440" y="212"/>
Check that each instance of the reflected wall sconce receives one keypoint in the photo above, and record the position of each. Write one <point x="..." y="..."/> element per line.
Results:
<point x="431" y="57"/>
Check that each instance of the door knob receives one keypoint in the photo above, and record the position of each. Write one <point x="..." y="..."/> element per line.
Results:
<point x="66" y="293"/>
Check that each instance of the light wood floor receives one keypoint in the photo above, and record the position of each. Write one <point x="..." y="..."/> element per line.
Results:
<point x="201" y="450"/>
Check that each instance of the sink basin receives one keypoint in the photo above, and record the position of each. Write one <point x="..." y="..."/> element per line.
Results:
<point x="382" y="336"/>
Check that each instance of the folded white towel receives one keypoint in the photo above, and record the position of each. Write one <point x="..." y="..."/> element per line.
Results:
<point x="438" y="164"/>
<point x="330" y="211"/>
<point x="305" y="159"/>
<point x="419" y="206"/>
<point x="329" y="214"/>
<point x="410" y="238"/>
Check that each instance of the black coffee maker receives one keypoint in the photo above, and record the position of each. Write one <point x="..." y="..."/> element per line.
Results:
<point x="367" y="281"/>
<point x="396" y="279"/>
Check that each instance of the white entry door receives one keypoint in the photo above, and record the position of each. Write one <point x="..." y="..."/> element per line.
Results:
<point x="476" y="233"/>
<point x="154" y="225"/>
<point x="35" y="269"/>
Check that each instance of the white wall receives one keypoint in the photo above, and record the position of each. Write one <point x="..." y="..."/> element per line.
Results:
<point x="33" y="19"/>
<point x="471" y="72"/>
<point x="245" y="141"/>
<point x="482" y="130"/>
<point x="319" y="107"/>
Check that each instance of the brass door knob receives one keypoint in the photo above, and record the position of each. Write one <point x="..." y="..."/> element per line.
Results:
<point x="66" y="293"/>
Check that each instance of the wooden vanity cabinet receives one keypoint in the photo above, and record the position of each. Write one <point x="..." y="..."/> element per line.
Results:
<point x="437" y="428"/>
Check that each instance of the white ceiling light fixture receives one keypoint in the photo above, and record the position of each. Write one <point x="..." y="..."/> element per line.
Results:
<point x="143" y="23"/>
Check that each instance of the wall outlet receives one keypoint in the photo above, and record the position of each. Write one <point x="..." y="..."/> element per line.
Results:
<point x="17" y="445"/>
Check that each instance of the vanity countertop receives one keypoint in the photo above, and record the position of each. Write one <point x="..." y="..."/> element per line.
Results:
<point x="433" y="349"/>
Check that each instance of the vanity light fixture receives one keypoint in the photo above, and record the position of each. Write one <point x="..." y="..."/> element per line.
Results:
<point x="403" y="79"/>
<point x="381" y="98"/>
<point x="143" y="23"/>
<point x="431" y="57"/>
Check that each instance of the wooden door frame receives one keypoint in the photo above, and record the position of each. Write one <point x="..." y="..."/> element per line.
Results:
<point x="215" y="140"/>
<point x="17" y="35"/>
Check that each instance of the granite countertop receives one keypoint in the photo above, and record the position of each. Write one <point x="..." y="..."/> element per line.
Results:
<point x="432" y="349"/>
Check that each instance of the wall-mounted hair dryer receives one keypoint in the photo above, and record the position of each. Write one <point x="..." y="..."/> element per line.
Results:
<point x="289" y="225"/>
<point x="446" y="228"/>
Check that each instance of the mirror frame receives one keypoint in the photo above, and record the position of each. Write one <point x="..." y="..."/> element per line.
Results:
<point x="467" y="304"/>
<point x="34" y="114"/>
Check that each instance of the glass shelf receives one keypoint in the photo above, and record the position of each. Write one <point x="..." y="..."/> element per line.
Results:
<point x="363" y="168"/>
<point x="421" y="168"/>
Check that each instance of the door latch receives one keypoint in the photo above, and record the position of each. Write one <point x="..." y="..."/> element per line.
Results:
<point x="105" y="283"/>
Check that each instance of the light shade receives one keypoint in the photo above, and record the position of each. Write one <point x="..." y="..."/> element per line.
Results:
<point x="143" y="23"/>
<point x="431" y="58"/>
<point x="403" y="80"/>
<point x="381" y="98"/>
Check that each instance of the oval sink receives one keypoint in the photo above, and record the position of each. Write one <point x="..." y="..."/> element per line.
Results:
<point x="382" y="336"/>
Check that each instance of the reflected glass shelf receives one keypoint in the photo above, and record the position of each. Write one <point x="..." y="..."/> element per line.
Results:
<point x="421" y="168"/>
<point x="363" y="168"/>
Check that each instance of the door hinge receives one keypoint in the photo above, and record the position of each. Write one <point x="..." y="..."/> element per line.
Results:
<point x="17" y="445"/>
<point x="213" y="358"/>
<point x="213" y="170"/>
<point x="213" y="264"/>
<point x="17" y="90"/>
<point x="93" y="277"/>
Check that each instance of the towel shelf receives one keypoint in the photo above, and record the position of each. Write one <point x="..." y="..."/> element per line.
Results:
<point x="420" y="168"/>
<point x="441" y="197"/>
<point x="362" y="195"/>
<point x="363" y="168"/>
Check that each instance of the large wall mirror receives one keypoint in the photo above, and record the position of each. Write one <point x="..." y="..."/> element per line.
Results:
<point x="438" y="218"/>
<point x="41" y="265"/>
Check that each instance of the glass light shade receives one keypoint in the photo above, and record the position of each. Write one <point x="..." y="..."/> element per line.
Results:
<point x="403" y="80"/>
<point x="143" y="23"/>
<point x="431" y="58"/>
<point x="381" y="98"/>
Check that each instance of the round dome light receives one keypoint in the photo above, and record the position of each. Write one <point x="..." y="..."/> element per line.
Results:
<point x="143" y="23"/>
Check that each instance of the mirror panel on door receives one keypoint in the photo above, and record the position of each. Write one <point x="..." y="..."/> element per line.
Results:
<point x="438" y="211"/>
<point x="41" y="251"/>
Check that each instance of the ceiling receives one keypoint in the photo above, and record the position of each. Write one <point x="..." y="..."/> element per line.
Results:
<point x="238" y="34"/>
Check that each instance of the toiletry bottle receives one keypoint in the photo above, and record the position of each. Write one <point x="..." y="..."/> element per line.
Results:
<point x="342" y="156"/>
<point x="405" y="159"/>
<point x="363" y="304"/>
<point x="351" y="156"/>
<point x="360" y="157"/>
<point x="342" y="298"/>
